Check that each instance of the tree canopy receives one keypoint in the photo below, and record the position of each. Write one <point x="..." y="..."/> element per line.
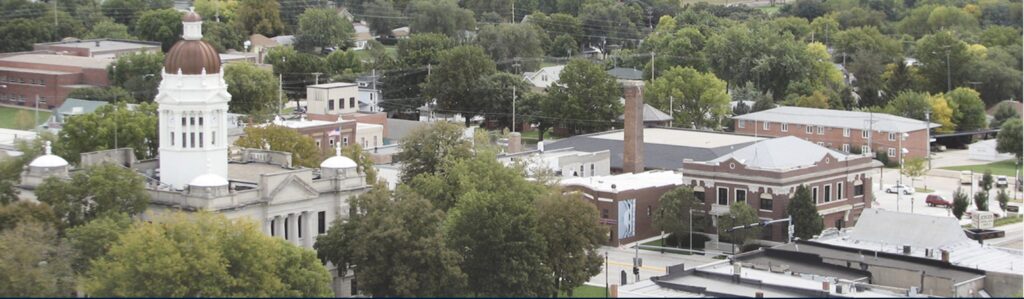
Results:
<point x="109" y="127"/>
<point x="89" y="194"/>
<point x="322" y="27"/>
<point x="806" y="220"/>
<point x="697" y="98"/>
<point x="304" y="150"/>
<point x="252" y="89"/>
<point x="585" y="97"/>
<point x="426" y="149"/>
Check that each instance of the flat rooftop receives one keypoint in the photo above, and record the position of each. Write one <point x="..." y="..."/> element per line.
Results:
<point x="250" y="172"/>
<point x="64" y="60"/>
<point x="664" y="148"/>
<point x="866" y="256"/>
<point x="837" y="119"/>
<point x="104" y="44"/>
<point x="33" y="71"/>
<point x="334" y="85"/>
<point x="303" y="123"/>
<point x="627" y="181"/>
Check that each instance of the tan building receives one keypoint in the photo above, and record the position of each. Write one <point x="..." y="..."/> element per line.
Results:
<point x="765" y="176"/>
<point x="626" y="201"/>
<point x="25" y="77"/>
<point x="846" y="131"/>
<point x="332" y="98"/>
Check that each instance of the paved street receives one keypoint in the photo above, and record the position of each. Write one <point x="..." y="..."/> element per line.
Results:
<point x="1014" y="237"/>
<point x="621" y="259"/>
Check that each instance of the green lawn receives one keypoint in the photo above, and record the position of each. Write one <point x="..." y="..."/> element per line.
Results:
<point x="1006" y="168"/>
<point x="9" y="118"/>
<point x="923" y="190"/>
<point x="585" y="291"/>
<point x="531" y="137"/>
<point x="1008" y="220"/>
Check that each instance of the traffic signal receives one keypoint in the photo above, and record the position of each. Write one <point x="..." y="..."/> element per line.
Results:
<point x="636" y="270"/>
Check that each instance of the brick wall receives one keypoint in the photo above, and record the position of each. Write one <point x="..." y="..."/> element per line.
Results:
<point x="834" y="138"/>
<point x="646" y="200"/>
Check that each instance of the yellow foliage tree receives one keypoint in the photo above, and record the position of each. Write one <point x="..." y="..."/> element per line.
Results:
<point x="942" y="114"/>
<point x="304" y="150"/>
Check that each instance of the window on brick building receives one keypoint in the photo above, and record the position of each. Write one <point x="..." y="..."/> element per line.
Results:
<point x="864" y="149"/>
<point x="846" y="148"/>
<point x="766" y="204"/>
<point x="814" y="194"/>
<point x="846" y="132"/>
<point x="892" y="136"/>
<point x="741" y="124"/>
<point x="723" y="196"/>
<point x="784" y="127"/>
<point x="839" y="191"/>
<point x="741" y="196"/>
<point x="828" y="193"/>
<point x="858" y="190"/>
<point x="821" y="130"/>
<point x="892" y="152"/>
<point x="865" y="134"/>
<point x="699" y="195"/>
<point x="810" y="129"/>
<point x="766" y="126"/>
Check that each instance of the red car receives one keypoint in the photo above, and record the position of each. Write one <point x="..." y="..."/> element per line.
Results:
<point x="936" y="200"/>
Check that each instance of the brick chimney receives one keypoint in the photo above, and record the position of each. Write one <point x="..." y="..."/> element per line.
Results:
<point x="633" y="140"/>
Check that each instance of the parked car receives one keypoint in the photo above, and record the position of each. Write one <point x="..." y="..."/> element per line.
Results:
<point x="966" y="177"/>
<point x="1001" y="181"/>
<point x="900" y="188"/>
<point x="934" y="200"/>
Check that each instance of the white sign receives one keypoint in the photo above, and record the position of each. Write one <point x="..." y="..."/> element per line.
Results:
<point x="983" y="220"/>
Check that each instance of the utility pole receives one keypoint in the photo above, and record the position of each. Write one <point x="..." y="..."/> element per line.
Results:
<point x="652" y="66"/>
<point x="35" y="126"/>
<point x="55" y="16"/>
<point x="671" y="110"/>
<point x="949" y="86"/>
<point x="513" y="108"/>
<point x="317" y="76"/>
<point x="513" y="19"/>
<point x="928" y="139"/>
<point x="280" y="93"/>
<point x="899" y="191"/>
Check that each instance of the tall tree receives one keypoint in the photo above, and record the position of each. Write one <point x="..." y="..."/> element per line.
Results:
<point x="740" y="213"/>
<point x="941" y="114"/>
<point x="674" y="211"/>
<point x="34" y="262"/>
<point x="496" y="234"/>
<point x="205" y="254"/>
<point x="443" y="16"/>
<point x="123" y="11"/>
<point x="109" y="29"/>
<point x="1008" y="140"/>
<point x="322" y="27"/>
<point x="981" y="200"/>
<point x="383" y="17"/>
<point x="960" y="203"/>
<point x="1004" y="112"/>
<point x="138" y="73"/>
<point x="93" y="239"/>
<point x="94" y="192"/>
<point x="416" y="57"/>
<point x="497" y="98"/>
<point x="395" y="245"/>
<point x="259" y="16"/>
<point x="223" y="36"/>
<point x="17" y="213"/>
<point x="110" y="126"/>
<point x="968" y="109"/>
<point x="362" y="158"/>
<point x="697" y="98"/>
<point x="251" y="88"/>
<point x="426" y="149"/>
<point x="910" y="104"/>
<point x="572" y="236"/>
<point x="607" y="22"/>
<point x="220" y="11"/>
<point x="162" y="25"/>
<point x="806" y="221"/>
<point x="585" y="98"/>
<point x="20" y="34"/>
<point x="944" y="60"/>
<point x="303" y="149"/>
<point x="456" y="81"/>
<point x="512" y="44"/>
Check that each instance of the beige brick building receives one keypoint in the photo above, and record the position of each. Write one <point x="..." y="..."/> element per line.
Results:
<point x="845" y="131"/>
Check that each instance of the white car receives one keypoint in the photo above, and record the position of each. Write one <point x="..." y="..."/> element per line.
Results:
<point x="1001" y="181"/>
<point x="900" y="188"/>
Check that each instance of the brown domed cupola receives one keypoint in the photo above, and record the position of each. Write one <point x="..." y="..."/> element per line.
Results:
<point x="192" y="55"/>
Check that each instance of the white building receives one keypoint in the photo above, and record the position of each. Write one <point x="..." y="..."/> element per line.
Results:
<point x="332" y="98"/>
<point x="986" y="151"/>
<point x="563" y="163"/>
<point x="544" y="77"/>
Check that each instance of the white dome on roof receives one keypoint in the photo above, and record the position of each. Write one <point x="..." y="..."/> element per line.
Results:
<point x="48" y="161"/>
<point x="338" y="162"/>
<point x="208" y="180"/>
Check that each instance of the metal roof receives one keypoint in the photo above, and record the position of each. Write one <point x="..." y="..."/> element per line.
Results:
<point x="879" y="122"/>
<point x="663" y="148"/>
<point x="783" y="153"/>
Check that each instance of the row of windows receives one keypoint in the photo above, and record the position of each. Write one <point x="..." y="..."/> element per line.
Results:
<point x="321" y="225"/>
<point x="767" y="204"/>
<point x="188" y="140"/>
<point x="820" y="130"/>
<point x="341" y="103"/>
<point x="22" y="80"/>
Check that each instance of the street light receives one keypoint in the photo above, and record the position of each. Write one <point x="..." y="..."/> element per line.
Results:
<point x="903" y="151"/>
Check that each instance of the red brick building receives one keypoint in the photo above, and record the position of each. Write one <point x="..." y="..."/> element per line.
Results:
<point x="24" y="77"/>
<point x="626" y="202"/>
<point x="765" y="176"/>
<point x="99" y="48"/>
<point x="845" y="131"/>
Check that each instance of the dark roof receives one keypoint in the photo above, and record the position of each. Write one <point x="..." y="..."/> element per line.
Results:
<point x="626" y="73"/>
<point x="70" y="104"/>
<point x="656" y="156"/>
<point x="932" y="267"/>
<point x="191" y="57"/>
<point x="651" y="114"/>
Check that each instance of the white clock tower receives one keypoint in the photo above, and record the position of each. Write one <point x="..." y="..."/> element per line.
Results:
<point x="193" y="105"/>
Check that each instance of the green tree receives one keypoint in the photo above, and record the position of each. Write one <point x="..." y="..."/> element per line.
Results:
<point x="109" y="94"/>
<point x="94" y="192"/>
<point x="697" y="98"/>
<point x="162" y="25"/>
<point x="933" y="50"/>
<point x="816" y="99"/>
<point x="806" y="221"/>
<point x="910" y="104"/>
<point x="510" y="44"/>
<point x="898" y="77"/>
<point x="218" y="11"/>
<point x="1004" y="112"/>
<point x="585" y="99"/>
<point x="138" y="73"/>
<point x="444" y="17"/>
<point x="205" y="254"/>
<point x="968" y="109"/>
<point x="960" y="203"/>
<point x="109" y="29"/>
<point x="572" y="236"/>
<point x="941" y="114"/>
<point x="496" y="97"/>
<point x="123" y="11"/>
<point x="496" y="234"/>
<point x="344" y="64"/>
<point x="981" y="200"/>
<point x="304" y="151"/>
<point x="1003" y="198"/>
<point x="363" y="159"/>
<point x="456" y="81"/>
<point x="259" y="16"/>
<point x="610" y="22"/>
<point x="563" y="46"/>
<point x="1008" y="140"/>
<point x="20" y="212"/>
<point x="322" y="27"/>
<point x="673" y="213"/>
<point x="34" y="262"/>
<point x="395" y="245"/>
<point x="426" y="149"/>
<point x="21" y="34"/>
<point x="914" y="168"/>
<point x="93" y="239"/>
<point x="295" y="68"/>
<point x="740" y="213"/>
<point x="252" y="89"/>
<point x="135" y="128"/>
<point x="223" y="36"/>
<point x="384" y="17"/>
<point x="405" y="80"/>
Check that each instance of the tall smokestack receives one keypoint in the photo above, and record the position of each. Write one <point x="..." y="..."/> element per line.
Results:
<point x="633" y="140"/>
